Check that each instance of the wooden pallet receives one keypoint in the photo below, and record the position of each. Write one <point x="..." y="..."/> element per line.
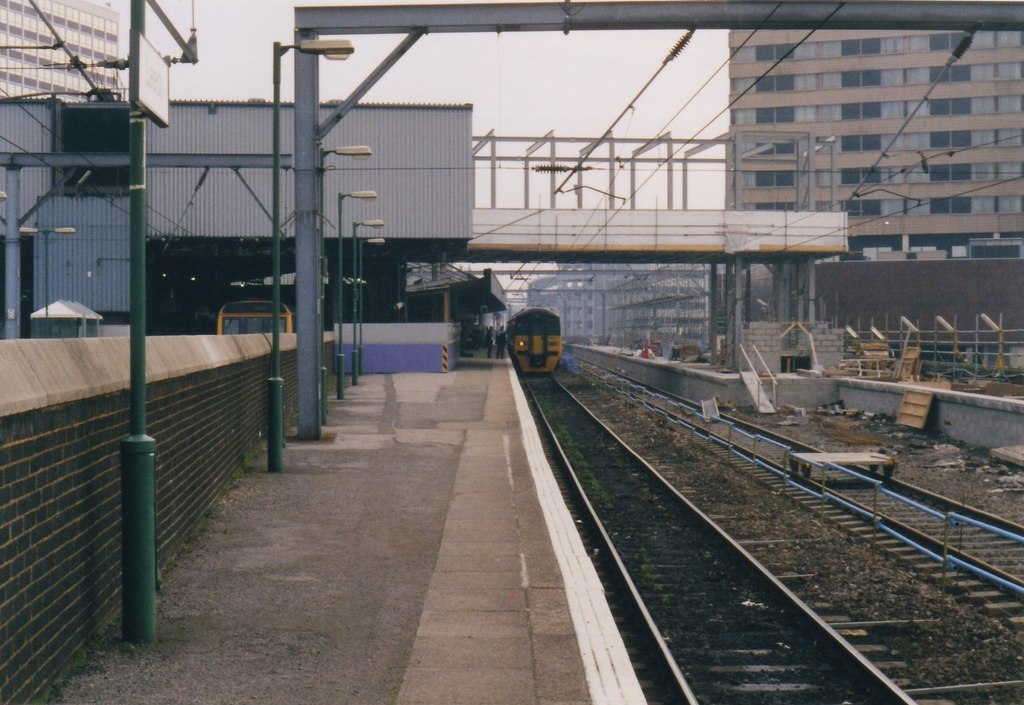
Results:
<point x="914" y="408"/>
<point x="909" y="365"/>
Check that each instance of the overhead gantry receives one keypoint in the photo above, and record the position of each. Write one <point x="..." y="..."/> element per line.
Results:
<point x="416" y="21"/>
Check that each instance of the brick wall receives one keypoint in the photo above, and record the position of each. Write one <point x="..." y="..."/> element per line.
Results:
<point x="60" y="514"/>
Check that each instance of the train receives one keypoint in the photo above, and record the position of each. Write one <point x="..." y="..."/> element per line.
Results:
<point x="535" y="340"/>
<point x="252" y="316"/>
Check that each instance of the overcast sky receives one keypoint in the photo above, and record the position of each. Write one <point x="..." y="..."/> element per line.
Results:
<point x="518" y="83"/>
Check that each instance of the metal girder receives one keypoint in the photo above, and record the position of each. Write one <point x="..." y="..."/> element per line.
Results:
<point x="369" y="82"/>
<point x="64" y="160"/>
<point x="719" y="14"/>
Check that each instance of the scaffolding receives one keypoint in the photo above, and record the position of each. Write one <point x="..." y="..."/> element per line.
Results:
<point x="636" y="305"/>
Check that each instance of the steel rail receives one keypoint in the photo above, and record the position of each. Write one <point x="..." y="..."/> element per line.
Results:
<point x="877" y="681"/>
<point x="622" y="573"/>
<point x="926" y="544"/>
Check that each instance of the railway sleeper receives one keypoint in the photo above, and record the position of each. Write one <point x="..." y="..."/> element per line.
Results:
<point x="1005" y="607"/>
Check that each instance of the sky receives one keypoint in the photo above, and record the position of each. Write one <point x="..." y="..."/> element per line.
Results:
<point x="518" y="83"/>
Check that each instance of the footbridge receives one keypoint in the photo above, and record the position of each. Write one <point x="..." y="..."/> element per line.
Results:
<point x="705" y="236"/>
<point x="789" y="242"/>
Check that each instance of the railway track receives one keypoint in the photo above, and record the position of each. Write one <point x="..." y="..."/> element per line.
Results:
<point x="884" y="639"/>
<point x="983" y="552"/>
<point x="735" y="633"/>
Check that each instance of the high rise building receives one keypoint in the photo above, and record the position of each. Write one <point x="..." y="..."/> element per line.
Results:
<point x="918" y="136"/>
<point x="33" y="59"/>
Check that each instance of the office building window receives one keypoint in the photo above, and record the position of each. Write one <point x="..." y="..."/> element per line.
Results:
<point x="774" y="179"/>
<point x="854" y="176"/>
<point x="949" y="106"/>
<point x="765" y="116"/>
<point x="953" y="138"/>
<point x="861" y="111"/>
<point x="772" y="52"/>
<point x="954" y="205"/>
<point x="860" y="143"/>
<point x="829" y="80"/>
<point x="1008" y="103"/>
<point x="1006" y="138"/>
<point x="861" y="47"/>
<point x="770" y="84"/>
<point x="944" y="42"/>
<point x="950" y="172"/>
<point x="861" y="79"/>
<point x="862" y="207"/>
<point x="1009" y="204"/>
<point x="950" y="74"/>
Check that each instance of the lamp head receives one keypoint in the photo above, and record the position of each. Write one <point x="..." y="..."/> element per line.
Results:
<point x="357" y="152"/>
<point x="334" y="49"/>
<point x="365" y="195"/>
<point x="64" y="231"/>
<point x="376" y="223"/>
<point x="26" y="230"/>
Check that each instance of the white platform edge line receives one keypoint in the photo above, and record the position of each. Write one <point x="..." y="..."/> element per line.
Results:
<point x="609" y="672"/>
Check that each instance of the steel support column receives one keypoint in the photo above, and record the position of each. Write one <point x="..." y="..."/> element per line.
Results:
<point x="307" y="250"/>
<point x="12" y="264"/>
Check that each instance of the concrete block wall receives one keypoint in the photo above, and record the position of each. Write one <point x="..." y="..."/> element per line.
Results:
<point x="697" y="383"/>
<point x="60" y="540"/>
<point x="829" y="343"/>
<point x="990" y="422"/>
<point x="765" y="336"/>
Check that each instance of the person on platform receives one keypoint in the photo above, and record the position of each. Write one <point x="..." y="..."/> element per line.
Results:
<point x="489" y="340"/>
<point x="501" y="341"/>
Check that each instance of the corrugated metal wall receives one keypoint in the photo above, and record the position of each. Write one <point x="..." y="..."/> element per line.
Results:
<point x="421" y="168"/>
<point x="91" y="266"/>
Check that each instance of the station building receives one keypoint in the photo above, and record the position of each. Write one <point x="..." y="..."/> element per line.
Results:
<point x="923" y="150"/>
<point x="209" y="205"/>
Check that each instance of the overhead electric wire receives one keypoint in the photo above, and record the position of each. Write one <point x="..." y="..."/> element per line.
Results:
<point x="955" y="55"/>
<point x="76" y="62"/>
<point x="742" y="94"/>
<point x="672" y="54"/>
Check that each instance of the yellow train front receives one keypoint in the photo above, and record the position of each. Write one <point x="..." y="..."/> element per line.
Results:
<point x="535" y="340"/>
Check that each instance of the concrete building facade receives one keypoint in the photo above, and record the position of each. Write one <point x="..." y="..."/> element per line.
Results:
<point x="918" y="136"/>
<point x="33" y="63"/>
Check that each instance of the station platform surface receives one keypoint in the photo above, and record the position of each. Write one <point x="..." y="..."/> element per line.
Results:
<point x="418" y="554"/>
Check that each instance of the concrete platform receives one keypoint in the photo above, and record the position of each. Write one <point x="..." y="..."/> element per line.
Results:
<point x="420" y="554"/>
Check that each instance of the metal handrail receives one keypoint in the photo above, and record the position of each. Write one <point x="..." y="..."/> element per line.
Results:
<point x="775" y="384"/>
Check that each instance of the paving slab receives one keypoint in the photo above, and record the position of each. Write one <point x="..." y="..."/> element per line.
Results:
<point x="415" y="555"/>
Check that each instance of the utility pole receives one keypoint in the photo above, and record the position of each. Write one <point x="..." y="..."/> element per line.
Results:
<point x="138" y="450"/>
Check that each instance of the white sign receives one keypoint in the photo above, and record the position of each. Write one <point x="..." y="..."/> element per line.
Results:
<point x="150" y="81"/>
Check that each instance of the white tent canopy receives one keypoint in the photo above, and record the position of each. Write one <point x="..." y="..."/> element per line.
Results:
<point x="65" y="319"/>
<point x="67" y="309"/>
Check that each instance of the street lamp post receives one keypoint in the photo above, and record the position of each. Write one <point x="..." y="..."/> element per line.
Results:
<point x="335" y="49"/>
<point x="359" y="153"/>
<point x="45" y="234"/>
<point x="11" y="257"/>
<point x="357" y="296"/>
<point x="340" y="315"/>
